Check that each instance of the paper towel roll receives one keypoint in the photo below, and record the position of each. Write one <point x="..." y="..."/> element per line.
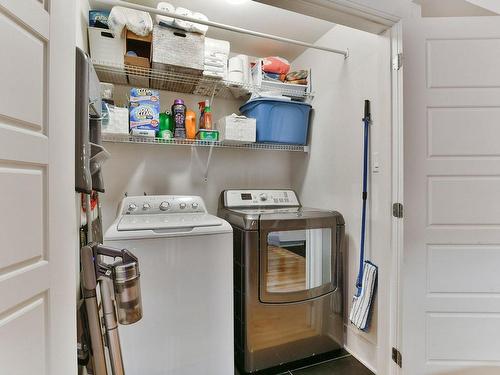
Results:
<point x="199" y="28"/>
<point x="236" y="77"/>
<point x="246" y="67"/>
<point x="235" y="64"/>
<point x="185" y="25"/>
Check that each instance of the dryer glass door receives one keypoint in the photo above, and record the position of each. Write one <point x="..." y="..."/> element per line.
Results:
<point x="297" y="264"/>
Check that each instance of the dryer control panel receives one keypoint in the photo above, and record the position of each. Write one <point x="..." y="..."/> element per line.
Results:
<point x="162" y="204"/>
<point x="260" y="198"/>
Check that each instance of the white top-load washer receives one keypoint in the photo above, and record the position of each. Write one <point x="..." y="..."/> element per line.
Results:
<point x="186" y="264"/>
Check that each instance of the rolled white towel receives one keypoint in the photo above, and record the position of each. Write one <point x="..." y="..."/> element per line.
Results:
<point x="167" y="7"/>
<point x="199" y="28"/>
<point x="185" y="25"/>
<point x="217" y="46"/>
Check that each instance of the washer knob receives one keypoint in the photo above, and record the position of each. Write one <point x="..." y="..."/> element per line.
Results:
<point x="263" y="197"/>
<point x="132" y="207"/>
<point x="182" y="205"/>
<point x="146" y="206"/>
<point x="195" y="205"/>
<point x="164" y="205"/>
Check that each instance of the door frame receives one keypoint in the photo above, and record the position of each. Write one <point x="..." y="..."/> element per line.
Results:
<point x="397" y="245"/>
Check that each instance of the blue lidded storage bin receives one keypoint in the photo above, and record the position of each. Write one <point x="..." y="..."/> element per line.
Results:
<point x="279" y="121"/>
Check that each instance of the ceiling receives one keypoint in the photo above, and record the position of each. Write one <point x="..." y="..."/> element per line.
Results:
<point x="455" y="8"/>
<point x="254" y="16"/>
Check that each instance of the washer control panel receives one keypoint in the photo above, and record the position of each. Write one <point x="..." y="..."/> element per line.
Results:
<point x="260" y="198"/>
<point x="162" y="204"/>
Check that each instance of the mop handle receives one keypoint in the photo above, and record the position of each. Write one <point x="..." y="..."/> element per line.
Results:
<point x="366" y="121"/>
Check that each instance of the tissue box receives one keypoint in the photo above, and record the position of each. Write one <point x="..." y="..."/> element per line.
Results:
<point x="117" y="120"/>
<point x="99" y="18"/>
<point x="144" y="109"/>
<point x="237" y="129"/>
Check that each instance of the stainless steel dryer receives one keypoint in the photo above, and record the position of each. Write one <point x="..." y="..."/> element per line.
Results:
<point x="287" y="277"/>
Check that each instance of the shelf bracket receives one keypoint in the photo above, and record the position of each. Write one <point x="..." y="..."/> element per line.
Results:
<point x="205" y="166"/>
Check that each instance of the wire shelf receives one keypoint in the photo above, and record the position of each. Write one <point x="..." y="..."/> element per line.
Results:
<point x="182" y="82"/>
<point x="125" y="138"/>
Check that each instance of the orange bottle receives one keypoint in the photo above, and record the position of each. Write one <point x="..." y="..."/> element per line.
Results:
<point x="190" y="124"/>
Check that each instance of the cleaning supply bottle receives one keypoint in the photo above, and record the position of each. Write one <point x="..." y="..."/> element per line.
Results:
<point x="208" y="116"/>
<point x="179" y="115"/>
<point x="166" y="130"/>
<point x="201" y="105"/>
<point x="190" y="124"/>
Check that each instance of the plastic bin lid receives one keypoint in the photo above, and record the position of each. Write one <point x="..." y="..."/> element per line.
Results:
<point x="275" y="100"/>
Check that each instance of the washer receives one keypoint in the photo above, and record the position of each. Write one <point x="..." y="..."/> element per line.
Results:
<point x="186" y="264"/>
<point x="287" y="278"/>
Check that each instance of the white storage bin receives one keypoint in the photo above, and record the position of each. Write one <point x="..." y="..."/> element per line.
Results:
<point x="237" y="129"/>
<point x="180" y="53"/>
<point x="291" y="90"/>
<point x="104" y="47"/>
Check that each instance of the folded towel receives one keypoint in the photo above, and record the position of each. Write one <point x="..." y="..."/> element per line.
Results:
<point x="184" y="25"/>
<point x="208" y="73"/>
<point x="298" y="74"/>
<point x="136" y="21"/>
<point x="298" y="81"/>
<point x="214" y="68"/>
<point x="275" y="64"/>
<point x="163" y="20"/>
<point x="215" y="56"/>
<point x="217" y="46"/>
<point x="215" y="63"/>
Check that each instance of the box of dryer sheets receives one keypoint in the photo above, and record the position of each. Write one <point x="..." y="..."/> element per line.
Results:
<point x="144" y="109"/>
<point x="237" y="129"/>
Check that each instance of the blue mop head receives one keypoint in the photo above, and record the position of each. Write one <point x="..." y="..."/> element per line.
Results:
<point x="362" y="301"/>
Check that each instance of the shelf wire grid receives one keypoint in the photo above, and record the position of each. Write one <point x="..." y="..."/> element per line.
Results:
<point x="125" y="138"/>
<point x="182" y="82"/>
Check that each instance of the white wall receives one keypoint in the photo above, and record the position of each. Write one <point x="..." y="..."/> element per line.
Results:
<point x="330" y="177"/>
<point x="82" y="21"/>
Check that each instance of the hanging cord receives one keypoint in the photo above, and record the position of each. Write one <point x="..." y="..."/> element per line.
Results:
<point x="366" y="121"/>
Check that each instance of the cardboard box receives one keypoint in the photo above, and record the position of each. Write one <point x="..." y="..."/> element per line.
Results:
<point x="136" y="66"/>
<point x="144" y="109"/>
<point x="237" y="129"/>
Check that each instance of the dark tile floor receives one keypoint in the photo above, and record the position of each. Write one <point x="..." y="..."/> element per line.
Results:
<point x="347" y="365"/>
<point x="344" y="366"/>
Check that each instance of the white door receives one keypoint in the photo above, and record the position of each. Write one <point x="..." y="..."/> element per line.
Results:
<point x="451" y="271"/>
<point x="37" y="230"/>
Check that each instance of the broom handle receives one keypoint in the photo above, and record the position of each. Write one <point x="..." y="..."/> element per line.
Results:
<point x="366" y="121"/>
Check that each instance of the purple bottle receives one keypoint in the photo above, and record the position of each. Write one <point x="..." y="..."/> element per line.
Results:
<point x="179" y="115"/>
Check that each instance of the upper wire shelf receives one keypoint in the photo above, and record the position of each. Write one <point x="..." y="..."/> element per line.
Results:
<point x="122" y="74"/>
<point x="125" y="138"/>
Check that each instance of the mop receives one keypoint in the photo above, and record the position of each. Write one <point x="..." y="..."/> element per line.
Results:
<point x="366" y="282"/>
